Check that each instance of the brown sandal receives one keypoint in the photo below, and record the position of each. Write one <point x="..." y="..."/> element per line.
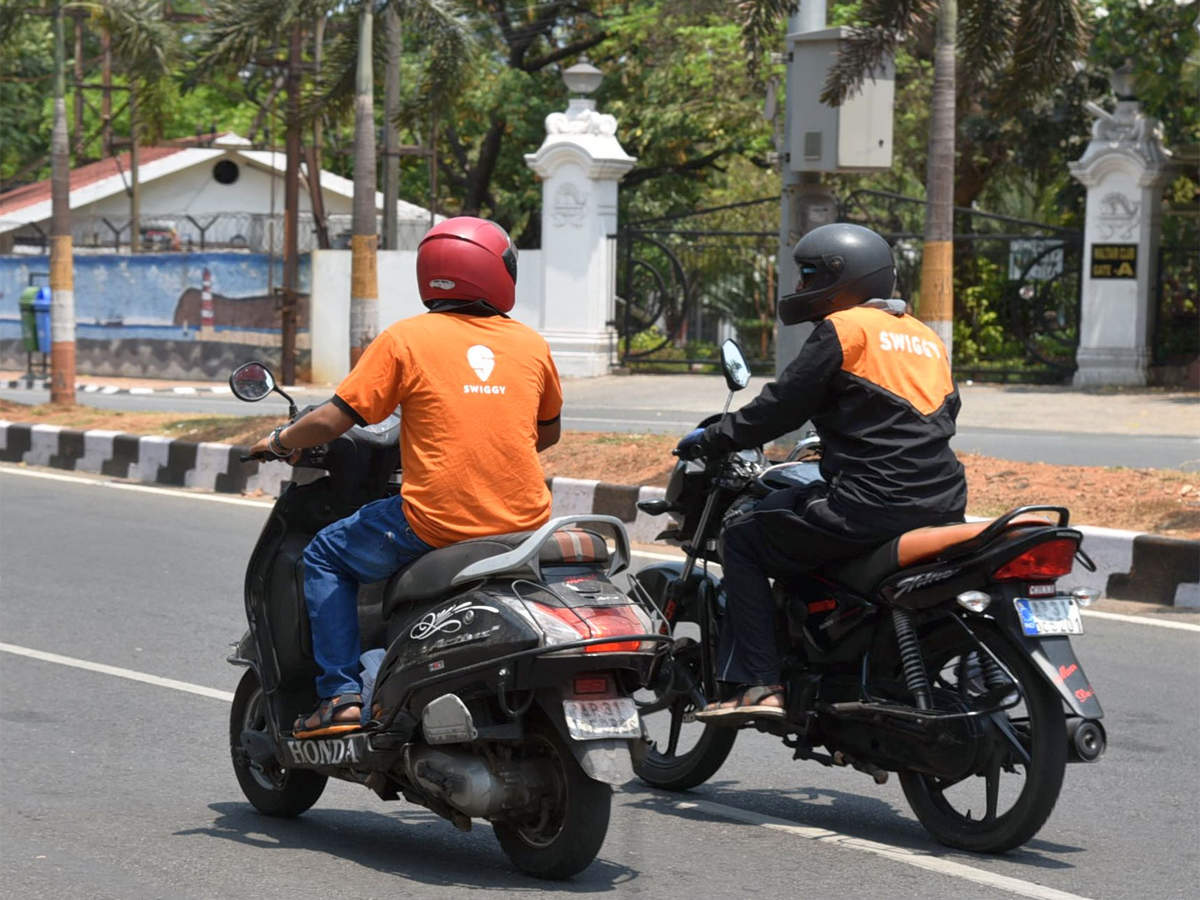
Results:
<point x="746" y="704"/>
<point x="325" y="719"/>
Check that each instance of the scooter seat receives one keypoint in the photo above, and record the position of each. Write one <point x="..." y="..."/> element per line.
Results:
<point x="430" y="575"/>
<point x="863" y="573"/>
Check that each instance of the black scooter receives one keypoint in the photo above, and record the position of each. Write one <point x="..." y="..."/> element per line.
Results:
<point x="504" y="692"/>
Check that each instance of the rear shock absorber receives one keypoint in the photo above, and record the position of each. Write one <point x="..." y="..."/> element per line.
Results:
<point x="915" y="675"/>
<point x="993" y="675"/>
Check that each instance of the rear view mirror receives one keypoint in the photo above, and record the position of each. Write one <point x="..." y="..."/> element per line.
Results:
<point x="251" y="381"/>
<point x="733" y="363"/>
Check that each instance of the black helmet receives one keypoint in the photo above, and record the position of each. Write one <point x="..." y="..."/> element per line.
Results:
<point x="840" y="266"/>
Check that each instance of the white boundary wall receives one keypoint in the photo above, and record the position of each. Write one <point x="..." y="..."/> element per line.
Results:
<point x="398" y="299"/>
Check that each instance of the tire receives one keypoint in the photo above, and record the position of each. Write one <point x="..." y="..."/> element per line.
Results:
<point x="665" y="767"/>
<point x="271" y="789"/>
<point x="1040" y="726"/>
<point x="574" y="824"/>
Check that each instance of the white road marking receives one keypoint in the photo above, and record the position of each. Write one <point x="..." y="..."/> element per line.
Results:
<point x="141" y="390"/>
<point x="1140" y="620"/>
<point x="118" y="672"/>
<point x="140" y="488"/>
<point x="897" y="854"/>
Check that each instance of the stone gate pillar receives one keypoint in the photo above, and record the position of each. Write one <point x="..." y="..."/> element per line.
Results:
<point x="1124" y="168"/>
<point x="579" y="163"/>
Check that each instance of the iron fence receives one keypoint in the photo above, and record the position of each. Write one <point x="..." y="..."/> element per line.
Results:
<point x="184" y="232"/>
<point x="687" y="281"/>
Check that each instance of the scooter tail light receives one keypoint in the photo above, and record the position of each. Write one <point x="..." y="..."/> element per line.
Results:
<point x="590" y="622"/>
<point x="1050" y="559"/>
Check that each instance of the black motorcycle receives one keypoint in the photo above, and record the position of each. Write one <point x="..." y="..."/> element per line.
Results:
<point x="942" y="656"/>
<point x="508" y="665"/>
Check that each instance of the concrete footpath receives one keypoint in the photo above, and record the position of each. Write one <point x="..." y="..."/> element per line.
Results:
<point x="1130" y="565"/>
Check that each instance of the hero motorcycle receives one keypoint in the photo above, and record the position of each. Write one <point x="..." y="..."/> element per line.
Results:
<point x="508" y="664"/>
<point x="943" y="656"/>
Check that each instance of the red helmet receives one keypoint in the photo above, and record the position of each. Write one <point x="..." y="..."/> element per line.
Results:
<point x="466" y="258"/>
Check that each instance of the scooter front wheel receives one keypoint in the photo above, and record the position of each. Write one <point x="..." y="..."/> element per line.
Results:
<point x="270" y="788"/>
<point x="573" y="822"/>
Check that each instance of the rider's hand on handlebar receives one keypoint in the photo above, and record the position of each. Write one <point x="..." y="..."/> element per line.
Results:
<point x="692" y="445"/>
<point x="262" y="451"/>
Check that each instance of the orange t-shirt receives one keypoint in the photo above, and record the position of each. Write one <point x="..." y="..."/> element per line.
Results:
<point x="472" y="390"/>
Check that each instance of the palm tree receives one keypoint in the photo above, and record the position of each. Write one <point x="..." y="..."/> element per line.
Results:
<point x="1019" y="51"/>
<point x="142" y="43"/>
<point x="243" y="30"/>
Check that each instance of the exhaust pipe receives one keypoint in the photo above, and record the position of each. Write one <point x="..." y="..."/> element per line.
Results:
<point x="1086" y="740"/>
<point x="464" y="781"/>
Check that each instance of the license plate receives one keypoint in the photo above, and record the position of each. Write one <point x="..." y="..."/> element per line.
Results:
<point x="591" y="720"/>
<point x="1057" y="616"/>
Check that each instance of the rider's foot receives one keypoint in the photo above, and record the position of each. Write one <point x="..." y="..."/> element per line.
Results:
<point x="752" y="701"/>
<point x="334" y="715"/>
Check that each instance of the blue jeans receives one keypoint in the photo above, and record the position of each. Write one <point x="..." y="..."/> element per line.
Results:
<point x="370" y="545"/>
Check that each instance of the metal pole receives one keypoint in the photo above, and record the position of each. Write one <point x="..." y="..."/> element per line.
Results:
<point x="135" y="190"/>
<point x="106" y="96"/>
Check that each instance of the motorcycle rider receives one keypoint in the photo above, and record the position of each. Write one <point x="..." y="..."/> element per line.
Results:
<point x="479" y="396"/>
<point x="876" y="384"/>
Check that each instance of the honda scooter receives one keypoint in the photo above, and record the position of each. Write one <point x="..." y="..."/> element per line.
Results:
<point x="508" y="665"/>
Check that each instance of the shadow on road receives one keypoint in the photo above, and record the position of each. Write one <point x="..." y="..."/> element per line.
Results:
<point x="852" y="815"/>
<point x="411" y="844"/>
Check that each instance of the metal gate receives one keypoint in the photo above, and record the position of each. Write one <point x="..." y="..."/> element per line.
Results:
<point x="685" y="282"/>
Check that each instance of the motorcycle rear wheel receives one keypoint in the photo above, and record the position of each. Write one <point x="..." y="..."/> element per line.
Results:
<point x="1038" y="724"/>
<point x="270" y="788"/>
<point x="573" y="824"/>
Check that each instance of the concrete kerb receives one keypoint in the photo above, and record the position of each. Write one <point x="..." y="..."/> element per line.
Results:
<point x="1130" y="565"/>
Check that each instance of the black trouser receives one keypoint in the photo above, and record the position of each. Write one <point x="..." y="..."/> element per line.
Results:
<point x="789" y="533"/>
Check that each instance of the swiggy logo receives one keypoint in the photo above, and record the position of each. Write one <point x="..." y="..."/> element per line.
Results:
<point x="483" y="361"/>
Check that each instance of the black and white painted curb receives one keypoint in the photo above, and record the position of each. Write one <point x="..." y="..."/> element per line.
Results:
<point x="1129" y="565"/>
<point x="39" y="383"/>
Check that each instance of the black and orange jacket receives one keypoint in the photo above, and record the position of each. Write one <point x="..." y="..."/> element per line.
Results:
<point x="876" y="385"/>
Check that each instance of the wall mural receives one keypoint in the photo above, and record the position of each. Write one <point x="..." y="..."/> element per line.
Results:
<point x="163" y="315"/>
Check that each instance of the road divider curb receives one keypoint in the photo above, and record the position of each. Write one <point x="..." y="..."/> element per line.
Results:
<point x="1129" y="565"/>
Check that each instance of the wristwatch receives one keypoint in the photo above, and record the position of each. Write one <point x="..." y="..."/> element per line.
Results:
<point x="276" y="445"/>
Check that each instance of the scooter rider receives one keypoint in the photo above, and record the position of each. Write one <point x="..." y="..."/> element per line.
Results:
<point x="876" y="384"/>
<point x="479" y="397"/>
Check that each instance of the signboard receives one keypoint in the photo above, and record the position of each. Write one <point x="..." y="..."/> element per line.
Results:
<point x="1114" y="260"/>
<point x="1042" y="257"/>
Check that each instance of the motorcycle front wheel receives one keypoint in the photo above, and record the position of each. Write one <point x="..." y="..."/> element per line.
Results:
<point x="270" y="788"/>
<point x="1007" y="802"/>
<point x="682" y="753"/>
<point x="572" y="822"/>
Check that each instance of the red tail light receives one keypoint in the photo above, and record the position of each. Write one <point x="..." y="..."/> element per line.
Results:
<point x="602" y="621"/>
<point x="1053" y="559"/>
<point x="591" y="684"/>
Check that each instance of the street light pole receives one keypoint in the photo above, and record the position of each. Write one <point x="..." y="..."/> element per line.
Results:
<point x="62" y="272"/>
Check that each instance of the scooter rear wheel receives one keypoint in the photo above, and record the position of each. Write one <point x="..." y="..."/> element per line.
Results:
<point x="574" y="820"/>
<point x="270" y="788"/>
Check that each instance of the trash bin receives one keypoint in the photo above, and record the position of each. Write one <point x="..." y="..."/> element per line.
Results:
<point x="29" y="330"/>
<point x="41" y="314"/>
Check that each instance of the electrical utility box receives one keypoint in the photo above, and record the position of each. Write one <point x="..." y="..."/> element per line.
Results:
<point x="853" y="137"/>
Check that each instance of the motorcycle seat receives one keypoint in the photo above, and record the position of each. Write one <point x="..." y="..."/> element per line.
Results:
<point x="430" y="575"/>
<point x="864" y="573"/>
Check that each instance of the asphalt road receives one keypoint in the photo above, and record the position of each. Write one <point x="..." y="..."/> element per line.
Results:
<point x="121" y="788"/>
<point x="1037" y="437"/>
